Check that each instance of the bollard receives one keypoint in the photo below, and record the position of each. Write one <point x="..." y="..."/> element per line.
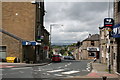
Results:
<point x="104" y="77"/>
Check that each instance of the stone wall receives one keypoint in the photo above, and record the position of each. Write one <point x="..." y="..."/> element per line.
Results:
<point x="18" y="18"/>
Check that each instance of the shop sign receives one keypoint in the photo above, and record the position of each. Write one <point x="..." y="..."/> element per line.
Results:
<point x="33" y="43"/>
<point x="108" y="22"/>
<point x="92" y="48"/>
<point x="116" y="31"/>
<point x="26" y="43"/>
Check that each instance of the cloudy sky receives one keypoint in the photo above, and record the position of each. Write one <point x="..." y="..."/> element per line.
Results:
<point x="79" y="19"/>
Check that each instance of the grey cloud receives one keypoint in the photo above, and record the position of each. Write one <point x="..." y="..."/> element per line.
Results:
<point x="79" y="19"/>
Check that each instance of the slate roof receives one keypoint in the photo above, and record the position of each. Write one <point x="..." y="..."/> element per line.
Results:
<point x="94" y="37"/>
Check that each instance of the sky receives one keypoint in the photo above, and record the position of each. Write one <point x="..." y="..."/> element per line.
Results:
<point x="74" y="21"/>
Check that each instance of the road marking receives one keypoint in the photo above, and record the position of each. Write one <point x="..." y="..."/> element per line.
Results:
<point x="58" y="75"/>
<point x="21" y="71"/>
<point x="37" y="70"/>
<point x="84" y="70"/>
<point x="56" y="70"/>
<point x="70" y="72"/>
<point x="59" y="67"/>
<point x="21" y="68"/>
<point x="88" y="67"/>
<point x="50" y="64"/>
<point x="45" y="74"/>
<point x="66" y="65"/>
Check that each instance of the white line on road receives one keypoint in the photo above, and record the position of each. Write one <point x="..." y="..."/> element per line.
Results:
<point x="21" y="71"/>
<point x="58" y="75"/>
<point x="37" y="70"/>
<point x="59" y="67"/>
<point x="70" y="72"/>
<point x="84" y="70"/>
<point x="66" y="65"/>
<point x="21" y="68"/>
<point x="56" y="70"/>
<point x="45" y="74"/>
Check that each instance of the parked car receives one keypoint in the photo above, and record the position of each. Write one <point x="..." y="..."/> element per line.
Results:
<point x="56" y="58"/>
<point x="69" y="57"/>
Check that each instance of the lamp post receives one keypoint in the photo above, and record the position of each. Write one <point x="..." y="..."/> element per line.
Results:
<point x="51" y="31"/>
<point x="51" y="25"/>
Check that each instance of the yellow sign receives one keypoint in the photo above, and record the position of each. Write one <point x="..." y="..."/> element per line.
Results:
<point x="10" y="59"/>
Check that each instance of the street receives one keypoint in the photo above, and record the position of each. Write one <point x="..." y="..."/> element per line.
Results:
<point x="54" y="70"/>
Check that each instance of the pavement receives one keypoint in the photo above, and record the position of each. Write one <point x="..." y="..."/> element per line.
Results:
<point x="99" y="71"/>
<point x="16" y="65"/>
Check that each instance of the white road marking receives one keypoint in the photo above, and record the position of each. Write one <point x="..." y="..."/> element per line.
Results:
<point x="70" y="72"/>
<point x="66" y="65"/>
<point x="37" y="70"/>
<point x="48" y="74"/>
<point x="21" y="71"/>
<point x="58" y="75"/>
<point x="88" y="67"/>
<point x="69" y="63"/>
<point x="84" y="70"/>
<point x="50" y="64"/>
<point x="56" y="70"/>
<point x="59" y="67"/>
<point x="21" y="68"/>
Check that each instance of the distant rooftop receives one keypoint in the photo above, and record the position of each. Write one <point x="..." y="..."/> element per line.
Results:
<point x="94" y="37"/>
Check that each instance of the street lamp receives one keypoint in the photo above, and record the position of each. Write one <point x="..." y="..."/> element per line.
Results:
<point x="51" y="31"/>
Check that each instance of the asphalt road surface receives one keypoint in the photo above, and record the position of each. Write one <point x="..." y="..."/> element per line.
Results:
<point x="56" y="70"/>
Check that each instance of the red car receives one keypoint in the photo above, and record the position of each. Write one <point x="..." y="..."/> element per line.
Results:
<point x="56" y="58"/>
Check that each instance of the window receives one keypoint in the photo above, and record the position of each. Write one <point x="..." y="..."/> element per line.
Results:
<point x="114" y="55"/>
<point x="92" y="43"/>
<point x="92" y="54"/>
<point x="119" y="6"/>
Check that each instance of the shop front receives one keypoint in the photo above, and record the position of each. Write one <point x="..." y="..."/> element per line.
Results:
<point x="93" y="52"/>
<point x="116" y="35"/>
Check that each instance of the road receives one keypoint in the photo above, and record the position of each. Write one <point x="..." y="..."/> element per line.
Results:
<point x="64" y="69"/>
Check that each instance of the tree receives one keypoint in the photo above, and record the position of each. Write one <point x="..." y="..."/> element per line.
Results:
<point x="78" y="44"/>
<point x="62" y="51"/>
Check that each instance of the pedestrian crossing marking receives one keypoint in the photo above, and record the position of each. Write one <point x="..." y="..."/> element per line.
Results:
<point x="56" y="70"/>
<point x="58" y="75"/>
<point x="70" y="72"/>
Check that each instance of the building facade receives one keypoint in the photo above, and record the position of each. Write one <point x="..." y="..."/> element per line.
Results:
<point x="116" y="30"/>
<point x="110" y="42"/>
<point x="23" y="33"/>
<point x="90" y="47"/>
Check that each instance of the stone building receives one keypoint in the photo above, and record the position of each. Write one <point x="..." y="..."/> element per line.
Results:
<point x="110" y="42"/>
<point x="107" y="47"/>
<point x="22" y="30"/>
<point x="116" y="36"/>
<point x="90" y="47"/>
